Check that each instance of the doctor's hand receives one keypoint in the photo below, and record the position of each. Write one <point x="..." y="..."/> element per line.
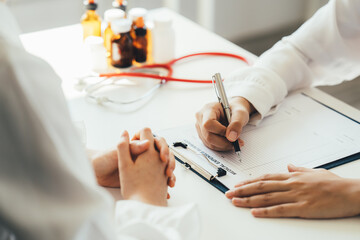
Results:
<point x="105" y="163"/>
<point x="303" y="192"/>
<point x="211" y="121"/>
<point x="142" y="177"/>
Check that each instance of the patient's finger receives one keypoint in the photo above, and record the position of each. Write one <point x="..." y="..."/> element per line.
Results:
<point x="257" y="188"/>
<point x="124" y="157"/>
<point x="266" y="177"/>
<point x="172" y="181"/>
<point x="143" y="134"/>
<point x="136" y="136"/>
<point x="263" y="200"/>
<point x="293" y="168"/>
<point x="163" y="148"/>
<point x="282" y="210"/>
<point x="171" y="165"/>
<point x="138" y="147"/>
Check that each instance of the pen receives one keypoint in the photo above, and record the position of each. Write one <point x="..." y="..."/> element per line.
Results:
<point x="221" y="95"/>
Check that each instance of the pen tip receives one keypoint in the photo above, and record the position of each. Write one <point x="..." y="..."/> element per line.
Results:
<point x="239" y="156"/>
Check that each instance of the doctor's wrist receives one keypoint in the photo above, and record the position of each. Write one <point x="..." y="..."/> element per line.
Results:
<point x="243" y="103"/>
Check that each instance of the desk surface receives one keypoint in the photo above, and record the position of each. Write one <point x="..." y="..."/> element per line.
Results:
<point x="175" y="104"/>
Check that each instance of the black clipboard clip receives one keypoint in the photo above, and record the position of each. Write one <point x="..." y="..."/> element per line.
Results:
<point x="198" y="170"/>
<point x="191" y="165"/>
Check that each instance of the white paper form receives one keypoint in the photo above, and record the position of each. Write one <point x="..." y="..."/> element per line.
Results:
<point x="303" y="132"/>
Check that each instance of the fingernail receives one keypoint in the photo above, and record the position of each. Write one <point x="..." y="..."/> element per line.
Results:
<point x="255" y="211"/>
<point x="141" y="142"/>
<point x="124" y="133"/>
<point x="232" y="136"/>
<point x="237" y="200"/>
<point x="230" y="194"/>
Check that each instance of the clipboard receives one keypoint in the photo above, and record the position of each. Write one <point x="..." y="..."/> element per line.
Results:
<point x="344" y="160"/>
<point x="215" y="183"/>
<point x="330" y="163"/>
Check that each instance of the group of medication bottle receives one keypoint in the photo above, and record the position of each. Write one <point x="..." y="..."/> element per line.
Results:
<point x="126" y="38"/>
<point x="130" y="42"/>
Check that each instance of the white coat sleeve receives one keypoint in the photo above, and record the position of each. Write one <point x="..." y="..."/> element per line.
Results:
<point x="325" y="50"/>
<point x="161" y="223"/>
<point x="47" y="186"/>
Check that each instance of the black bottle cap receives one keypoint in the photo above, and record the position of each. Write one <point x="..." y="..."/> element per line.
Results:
<point x="90" y="6"/>
<point x="122" y="6"/>
<point x="140" y="31"/>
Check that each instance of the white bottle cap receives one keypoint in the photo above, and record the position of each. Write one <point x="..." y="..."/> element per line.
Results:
<point x="114" y="14"/>
<point x="162" y="21"/>
<point x="94" y="42"/>
<point x="96" y="53"/>
<point x="121" y="26"/>
<point x="135" y="13"/>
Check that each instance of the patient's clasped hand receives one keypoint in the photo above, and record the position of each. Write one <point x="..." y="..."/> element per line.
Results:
<point x="142" y="167"/>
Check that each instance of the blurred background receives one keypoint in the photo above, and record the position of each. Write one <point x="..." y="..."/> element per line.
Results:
<point x="252" y="24"/>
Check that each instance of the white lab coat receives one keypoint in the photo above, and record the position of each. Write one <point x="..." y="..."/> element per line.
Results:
<point x="47" y="186"/>
<point x="323" y="51"/>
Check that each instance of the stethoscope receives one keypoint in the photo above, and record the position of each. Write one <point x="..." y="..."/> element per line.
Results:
<point x="147" y="71"/>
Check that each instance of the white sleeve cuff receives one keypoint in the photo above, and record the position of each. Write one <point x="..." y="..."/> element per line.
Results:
<point x="261" y="87"/>
<point x="144" y="221"/>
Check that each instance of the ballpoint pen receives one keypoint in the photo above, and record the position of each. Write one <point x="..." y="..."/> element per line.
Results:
<point x="221" y="95"/>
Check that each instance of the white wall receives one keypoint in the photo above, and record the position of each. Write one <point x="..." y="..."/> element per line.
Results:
<point x="34" y="15"/>
<point x="232" y="19"/>
<point x="239" y="19"/>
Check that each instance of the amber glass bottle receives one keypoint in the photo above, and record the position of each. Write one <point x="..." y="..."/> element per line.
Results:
<point x="140" y="41"/>
<point x="90" y="21"/>
<point x="110" y="16"/>
<point x="121" y="44"/>
<point x="133" y="15"/>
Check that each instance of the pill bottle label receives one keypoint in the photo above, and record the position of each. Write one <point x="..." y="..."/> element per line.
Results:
<point x="115" y="52"/>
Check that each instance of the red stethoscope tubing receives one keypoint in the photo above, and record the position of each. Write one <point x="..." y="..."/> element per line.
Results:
<point x="168" y="67"/>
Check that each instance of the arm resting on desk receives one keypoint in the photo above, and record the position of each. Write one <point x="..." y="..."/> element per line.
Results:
<point x="303" y="192"/>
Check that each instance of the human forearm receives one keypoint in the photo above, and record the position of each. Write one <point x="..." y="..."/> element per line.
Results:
<point x="354" y="193"/>
<point x="323" y="51"/>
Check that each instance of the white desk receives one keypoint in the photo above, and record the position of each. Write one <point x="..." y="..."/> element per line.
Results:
<point x="176" y="105"/>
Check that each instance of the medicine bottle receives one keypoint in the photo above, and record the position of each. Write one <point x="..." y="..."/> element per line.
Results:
<point x="133" y="15"/>
<point x="121" y="44"/>
<point x="120" y="4"/>
<point x="140" y="42"/>
<point x="163" y="39"/>
<point x="90" y="21"/>
<point x="96" y="53"/>
<point x="110" y="16"/>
